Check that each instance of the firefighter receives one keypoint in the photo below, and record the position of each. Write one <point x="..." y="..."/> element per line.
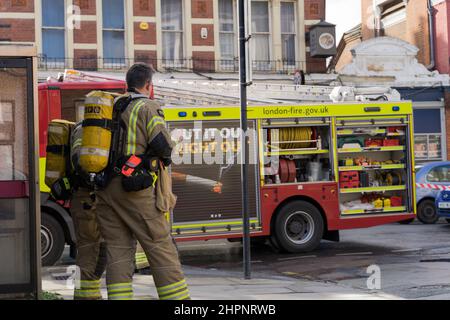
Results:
<point x="128" y="206"/>
<point x="90" y="253"/>
<point x="91" y="250"/>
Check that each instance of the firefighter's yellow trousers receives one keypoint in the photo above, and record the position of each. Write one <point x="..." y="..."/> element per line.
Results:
<point x="91" y="251"/>
<point x="124" y="217"/>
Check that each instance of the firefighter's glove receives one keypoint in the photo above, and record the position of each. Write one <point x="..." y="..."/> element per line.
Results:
<point x="62" y="189"/>
<point x="139" y="181"/>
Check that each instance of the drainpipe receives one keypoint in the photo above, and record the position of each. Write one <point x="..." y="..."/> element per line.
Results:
<point x="432" y="43"/>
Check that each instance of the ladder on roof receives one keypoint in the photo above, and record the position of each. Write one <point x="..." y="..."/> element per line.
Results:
<point x="227" y="92"/>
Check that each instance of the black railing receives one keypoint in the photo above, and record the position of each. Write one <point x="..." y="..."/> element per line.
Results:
<point x="167" y="65"/>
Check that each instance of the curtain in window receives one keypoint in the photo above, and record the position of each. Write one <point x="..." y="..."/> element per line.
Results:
<point x="260" y="16"/>
<point x="287" y="17"/>
<point x="172" y="46"/>
<point x="172" y="30"/>
<point x="226" y="15"/>
<point x="227" y="46"/>
<point x="288" y="32"/>
<point x="226" y="28"/>
<point x="171" y="15"/>
<point x="260" y="37"/>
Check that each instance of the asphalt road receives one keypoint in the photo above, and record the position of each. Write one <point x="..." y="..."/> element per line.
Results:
<point x="413" y="260"/>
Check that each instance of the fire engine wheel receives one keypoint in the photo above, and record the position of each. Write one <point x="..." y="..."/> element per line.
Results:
<point x="299" y="227"/>
<point x="52" y="240"/>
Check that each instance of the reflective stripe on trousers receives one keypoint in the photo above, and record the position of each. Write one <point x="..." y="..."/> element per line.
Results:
<point x="88" y="290"/>
<point x="120" y="291"/>
<point x="174" y="291"/>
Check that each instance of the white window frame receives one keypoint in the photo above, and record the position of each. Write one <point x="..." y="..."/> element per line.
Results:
<point x="55" y="63"/>
<point x="269" y="33"/>
<point x="235" y="42"/>
<point x="113" y="65"/>
<point x="294" y="33"/>
<point x="182" y="63"/>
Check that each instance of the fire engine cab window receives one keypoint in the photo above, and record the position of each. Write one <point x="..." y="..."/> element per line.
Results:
<point x="53" y="31"/>
<point x="113" y="32"/>
<point x="439" y="174"/>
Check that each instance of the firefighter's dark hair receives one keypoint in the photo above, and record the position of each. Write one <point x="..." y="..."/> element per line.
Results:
<point x="138" y="75"/>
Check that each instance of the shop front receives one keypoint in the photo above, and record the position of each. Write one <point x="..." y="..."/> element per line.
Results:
<point x="430" y="132"/>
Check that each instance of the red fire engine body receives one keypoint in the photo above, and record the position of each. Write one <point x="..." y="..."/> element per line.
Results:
<point x="318" y="169"/>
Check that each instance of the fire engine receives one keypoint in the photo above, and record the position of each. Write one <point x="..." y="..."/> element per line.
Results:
<point x="315" y="168"/>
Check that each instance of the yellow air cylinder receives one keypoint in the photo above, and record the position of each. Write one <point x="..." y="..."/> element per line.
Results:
<point x="58" y="152"/>
<point x="96" y="136"/>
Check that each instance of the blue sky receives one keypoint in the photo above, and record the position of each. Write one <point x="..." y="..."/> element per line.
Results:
<point x="345" y="14"/>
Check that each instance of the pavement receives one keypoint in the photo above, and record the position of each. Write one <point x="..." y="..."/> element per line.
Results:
<point x="413" y="262"/>
<point x="207" y="284"/>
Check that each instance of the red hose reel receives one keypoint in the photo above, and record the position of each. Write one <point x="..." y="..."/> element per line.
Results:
<point x="287" y="171"/>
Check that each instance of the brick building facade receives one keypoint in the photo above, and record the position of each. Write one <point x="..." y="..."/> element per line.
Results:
<point x="403" y="19"/>
<point x="441" y="10"/>
<point x="194" y="34"/>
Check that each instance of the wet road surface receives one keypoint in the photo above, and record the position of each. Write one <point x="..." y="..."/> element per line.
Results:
<point x="414" y="260"/>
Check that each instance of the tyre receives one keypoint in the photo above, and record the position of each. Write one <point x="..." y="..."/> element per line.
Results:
<point x="426" y="212"/>
<point x="409" y="221"/>
<point x="298" y="227"/>
<point x="52" y="240"/>
<point x="448" y="220"/>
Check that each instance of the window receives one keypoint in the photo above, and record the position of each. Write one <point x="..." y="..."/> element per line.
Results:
<point x="288" y="32"/>
<point x="226" y="34"/>
<point x="392" y="13"/>
<point x="172" y="31"/>
<point x="428" y="135"/>
<point x="428" y="147"/>
<point x="113" y="33"/>
<point x="53" y="32"/>
<point x="439" y="174"/>
<point x="260" y="35"/>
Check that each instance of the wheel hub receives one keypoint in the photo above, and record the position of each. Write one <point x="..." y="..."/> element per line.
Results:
<point x="299" y="227"/>
<point x="296" y="227"/>
<point x="46" y="241"/>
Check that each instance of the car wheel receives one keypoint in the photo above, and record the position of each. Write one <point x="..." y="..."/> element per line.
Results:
<point x="426" y="212"/>
<point x="448" y="220"/>
<point x="52" y="240"/>
<point x="299" y="227"/>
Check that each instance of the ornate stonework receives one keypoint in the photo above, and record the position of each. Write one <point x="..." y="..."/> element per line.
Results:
<point x="389" y="61"/>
